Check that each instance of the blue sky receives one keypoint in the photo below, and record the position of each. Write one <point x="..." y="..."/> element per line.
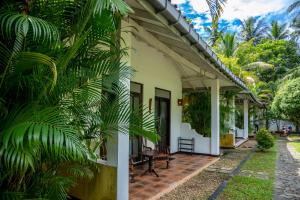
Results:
<point x="234" y="11"/>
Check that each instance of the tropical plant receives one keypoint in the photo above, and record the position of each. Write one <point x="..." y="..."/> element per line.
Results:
<point x="278" y="31"/>
<point x="291" y="74"/>
<point x="214" y="32"/>
<point x="253" y="29"/>
<point x="294" y="7"/>
<point x="197" y="112"/>
<point x="295" y="25"/>
<point x="228" y="44"/>
<point x="264" y="139"/>
<point x="63" y="91"/>
<point x="287" y="101"/>
<point x="216" y="8"/>
<point x="281" y="54"/>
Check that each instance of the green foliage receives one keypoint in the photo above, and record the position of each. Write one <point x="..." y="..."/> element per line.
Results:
<point x="198" y="112"/>
<point x="253" y="29"/>
<point x="287" y="100"/>
<point x="281" y="54"/>
<point x="227" y="45"/>
<point x="264" y="139"/>
<point x="278" y="31"/>
<point x="214" y="33"/>
<point x="63" y="92"/>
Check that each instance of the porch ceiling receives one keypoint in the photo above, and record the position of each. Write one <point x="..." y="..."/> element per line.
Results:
<point x="200" y="64"/>
<point x="178" y="43"/>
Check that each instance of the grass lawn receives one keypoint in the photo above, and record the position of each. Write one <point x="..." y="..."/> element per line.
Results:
<point x="295" y="142"/>
<point x="296" y="145"/>
<point x="244" y="188"/>
<point x="294" y="137"/>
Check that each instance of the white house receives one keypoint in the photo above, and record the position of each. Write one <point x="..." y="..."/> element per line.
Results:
<point x="169" y="57"/>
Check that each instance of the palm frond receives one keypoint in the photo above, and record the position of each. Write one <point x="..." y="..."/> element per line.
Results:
<point x="14" y="23"/>
<point x="262" y="66"/>
<point x="46" y="130"/>
<point x="292" y="74"/>
<point x="113" y="5"/>
<point x="38" y="58"/>
<point x="294" y="6"/>
<point x="216" y="7"/>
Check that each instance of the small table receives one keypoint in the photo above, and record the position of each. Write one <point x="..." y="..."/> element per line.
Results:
<point x="150" y="154"/>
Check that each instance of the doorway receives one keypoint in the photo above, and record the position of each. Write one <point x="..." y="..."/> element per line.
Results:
<point x="162" y="114"/>
<point x="136" y="103"/>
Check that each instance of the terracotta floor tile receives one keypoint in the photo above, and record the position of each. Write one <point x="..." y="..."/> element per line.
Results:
<point x="181" y="166"/>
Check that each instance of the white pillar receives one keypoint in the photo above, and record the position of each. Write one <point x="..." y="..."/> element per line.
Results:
<point x="215" y="117"/>
<point x="117" y="156"/>
<point x="120" y="146"/>
<point x="232" y="113"/>
<point x="246" y="120"/>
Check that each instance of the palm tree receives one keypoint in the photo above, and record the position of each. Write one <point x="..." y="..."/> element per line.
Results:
<point x="253" y="28"/>
<point x="62" y="90"/>
<point x="295" y="25"/>
<point x="216" y="8"/>
<point x="278" y="31"/>
<point x="294" y="7"/>
<point x="228" y="44"/>
<point x="214" y="32"/>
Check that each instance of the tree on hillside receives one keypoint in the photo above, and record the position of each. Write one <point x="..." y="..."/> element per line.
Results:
<point x="282" y="54"/>
<point x="278" y="31"/>
<point x="287" y="101"/>
<point x="253" y="28"/>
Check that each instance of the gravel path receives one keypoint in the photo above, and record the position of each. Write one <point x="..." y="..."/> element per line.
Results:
<point x="205" y="183"/>
<point x="287" y="184"/>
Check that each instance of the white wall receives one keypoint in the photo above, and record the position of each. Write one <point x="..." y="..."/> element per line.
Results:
<point x="202" y="144"/>
<point x="153" y="69"/>
<point x="273" y="126"/>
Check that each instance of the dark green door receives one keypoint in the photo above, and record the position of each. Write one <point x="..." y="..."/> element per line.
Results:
<point x="136" y="102"/>
<point x="162" y="113"/>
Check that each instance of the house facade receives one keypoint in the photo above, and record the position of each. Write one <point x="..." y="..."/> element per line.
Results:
<point x="169" y="58"/>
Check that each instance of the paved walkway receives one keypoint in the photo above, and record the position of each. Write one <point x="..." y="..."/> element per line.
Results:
<point x="287" y="184"/>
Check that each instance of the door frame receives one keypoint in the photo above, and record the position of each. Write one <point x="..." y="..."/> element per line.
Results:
<point x="168" y="139"/>
<point x="141" y="98"/>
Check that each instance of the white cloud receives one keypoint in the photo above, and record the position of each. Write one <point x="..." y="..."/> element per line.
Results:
<point x="178" y="1"/>
<point x="241" y="9"/>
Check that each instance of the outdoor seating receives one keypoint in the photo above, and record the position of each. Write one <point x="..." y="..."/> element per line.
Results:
<point x="162" y="154"/>
<point x="132" y="171"/>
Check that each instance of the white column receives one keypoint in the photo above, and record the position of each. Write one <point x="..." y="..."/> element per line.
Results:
<point x="121" y="139"/>
<point x="117" y="156"/>
<point x="246" y="120"/>
<point x="232" y="113"/>
<point x="215" y="117"/>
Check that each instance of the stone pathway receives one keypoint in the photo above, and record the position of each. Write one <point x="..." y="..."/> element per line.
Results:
<point x="287" y="184"/>
<point x="204" y="184"/>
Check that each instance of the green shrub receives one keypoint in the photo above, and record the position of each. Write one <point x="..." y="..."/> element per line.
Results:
<point x="264" y="139"/>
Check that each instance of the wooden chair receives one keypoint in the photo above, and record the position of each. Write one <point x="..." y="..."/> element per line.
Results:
<point x="163" y="154"/>
<point x="132" y="172"/>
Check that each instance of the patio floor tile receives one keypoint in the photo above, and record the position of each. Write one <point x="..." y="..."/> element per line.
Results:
<point x="150" y="187"/>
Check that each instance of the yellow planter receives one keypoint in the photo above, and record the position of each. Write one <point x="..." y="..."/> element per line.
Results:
<point x="227" y="141"/>
<point x="102" y="187"/>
